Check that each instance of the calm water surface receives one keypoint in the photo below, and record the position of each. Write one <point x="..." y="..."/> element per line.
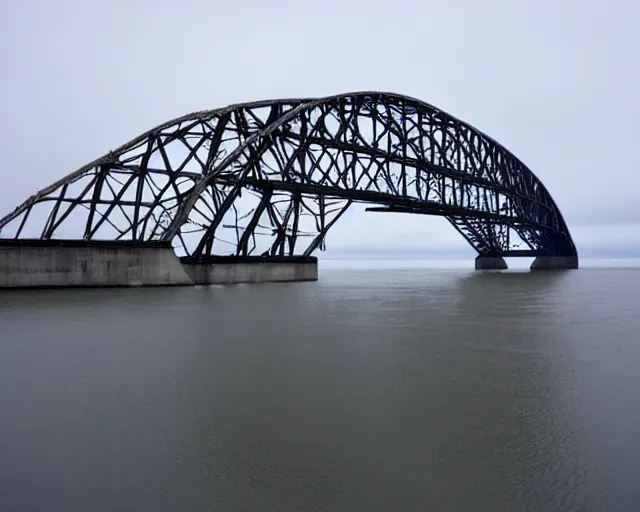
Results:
<point x="370" y="390"/>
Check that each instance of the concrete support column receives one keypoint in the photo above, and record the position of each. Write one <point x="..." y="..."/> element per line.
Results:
<point x="490" y="263"/>
<point x="555" y="263"/>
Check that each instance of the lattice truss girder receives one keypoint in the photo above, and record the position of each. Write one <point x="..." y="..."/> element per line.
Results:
<point x="260" y="178"/>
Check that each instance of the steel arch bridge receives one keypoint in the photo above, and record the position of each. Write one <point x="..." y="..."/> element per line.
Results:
<point x="257" y="178"/>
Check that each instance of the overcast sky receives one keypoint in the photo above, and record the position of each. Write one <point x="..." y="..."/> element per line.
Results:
<point x="556" y="82"/>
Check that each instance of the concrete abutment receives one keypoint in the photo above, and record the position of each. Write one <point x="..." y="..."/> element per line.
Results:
<point x="555" y="263"/>
<point x="79" y="263"/>
<point x="49" y="263"/>
<point x="249" y="269"/>
<point x="491" y="263"/>
<point x="542" y="262"/>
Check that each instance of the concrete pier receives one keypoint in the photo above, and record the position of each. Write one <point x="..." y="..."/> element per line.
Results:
<point x="250" y="269"/>
<point x="74" y="263"/>
<point x="69" y="263"/>
<point x="490" y="263"/>
<point x="555" y="263"/>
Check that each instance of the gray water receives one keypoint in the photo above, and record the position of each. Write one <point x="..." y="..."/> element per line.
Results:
<point x="370" y="390"/>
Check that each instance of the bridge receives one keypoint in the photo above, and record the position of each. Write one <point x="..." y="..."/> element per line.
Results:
<point x="267" y="180"/>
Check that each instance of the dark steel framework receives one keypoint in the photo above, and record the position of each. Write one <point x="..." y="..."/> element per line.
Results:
<point x="255" y="178"/>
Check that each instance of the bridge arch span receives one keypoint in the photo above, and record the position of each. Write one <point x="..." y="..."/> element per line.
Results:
<point x="258" y="178"/>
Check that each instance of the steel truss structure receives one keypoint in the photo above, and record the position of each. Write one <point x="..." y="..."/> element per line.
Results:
<point x="257" y="178"/>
